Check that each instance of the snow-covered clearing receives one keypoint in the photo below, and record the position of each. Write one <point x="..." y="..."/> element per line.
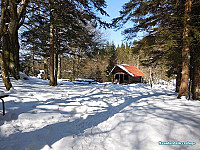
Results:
<point x="96" y="117"/>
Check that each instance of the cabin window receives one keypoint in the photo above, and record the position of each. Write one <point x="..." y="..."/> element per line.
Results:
<point x="125" y="77"/>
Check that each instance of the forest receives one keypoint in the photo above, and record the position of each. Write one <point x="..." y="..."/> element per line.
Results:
<point x="65" y="84"/>
<point x="65" y="40"/>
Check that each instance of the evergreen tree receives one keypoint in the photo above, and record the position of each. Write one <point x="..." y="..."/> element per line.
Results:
<point x="70" y="25"/>
<point x="111" y="52"/>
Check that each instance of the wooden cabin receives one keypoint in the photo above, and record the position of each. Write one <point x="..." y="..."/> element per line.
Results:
<point x="126" y="74"/>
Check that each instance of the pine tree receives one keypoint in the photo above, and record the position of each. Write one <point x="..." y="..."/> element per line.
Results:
<point x="73" y="27"/>
<point x="183" y="91"/>
<point x="111" y="52"/>
<point x="195" y="51"/>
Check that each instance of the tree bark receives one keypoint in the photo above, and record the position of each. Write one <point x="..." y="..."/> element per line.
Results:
<point x="12" y="17"/>
<point x="51" y="67"/>
<point x="56" y="66"/>
<point x="3" y="20"/>
<point x="51" y="41"/>
<point x="73" y="68"/>
<point x="183" y="91"/>
<point x="13" y="14"/>
<point x="16" y="56"/>
<point x="178" y="79"/>
<point x="33" y="63"/>
<point x="13" y="44"/>
<point x="4" y="73"/>
<point x="196" y="80"/>
<point x="45" y="69"/>
<point x="59" y="68"/>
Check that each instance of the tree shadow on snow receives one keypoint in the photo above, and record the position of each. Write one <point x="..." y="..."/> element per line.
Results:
<point x="52" y="133"/>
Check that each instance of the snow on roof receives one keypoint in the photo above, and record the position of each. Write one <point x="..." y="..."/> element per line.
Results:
<point x="130" y="69"/>
<point x="123" y="68"/>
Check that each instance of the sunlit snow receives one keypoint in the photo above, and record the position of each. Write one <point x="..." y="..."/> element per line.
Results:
<point x="96" y="117"/>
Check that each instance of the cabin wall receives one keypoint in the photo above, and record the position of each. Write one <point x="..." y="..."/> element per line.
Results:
<point x="123" y="78"/>
<point x="136" y="79"/>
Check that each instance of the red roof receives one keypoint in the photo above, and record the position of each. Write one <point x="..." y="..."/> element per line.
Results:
<point x="132" y="70"/>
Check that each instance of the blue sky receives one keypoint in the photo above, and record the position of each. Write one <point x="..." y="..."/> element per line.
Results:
<point x="113" y="8"/>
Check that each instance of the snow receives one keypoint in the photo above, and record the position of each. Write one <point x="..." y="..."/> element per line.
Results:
<point x="87" y="117"/>
<point x="23" y="76"/>
<point x="84" y="81"/>
<point x="2" y="93"/>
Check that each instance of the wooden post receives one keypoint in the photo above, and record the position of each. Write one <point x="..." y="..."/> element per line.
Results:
<point x="123" y="79"/>
<point x="119" y="78"/>
<point x="3" y="104"/>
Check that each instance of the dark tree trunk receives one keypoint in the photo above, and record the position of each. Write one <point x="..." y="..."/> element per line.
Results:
<point x="57" y="43"/>
<point x="33" y="63"/>
<point x="9" y="55"/>
<point x="51" y="67"/>
<point x="183" y="91"/>
<point x="13" y="13"/>
<point x="196" y="80"/>
<point x="45" y="69"/>
<point x="51" y="41"/>
<point x="73" y="68"/>
<point x="13" y="44"/>
<point x="178" y="79"/>
<point x="56" y="67"/>
<point x="15" y="51"/>
<point x="4" y="72"/>
<point x="59" y="68"/>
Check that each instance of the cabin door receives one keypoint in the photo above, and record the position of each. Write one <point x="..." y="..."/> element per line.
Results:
<point x="121" y="80"/>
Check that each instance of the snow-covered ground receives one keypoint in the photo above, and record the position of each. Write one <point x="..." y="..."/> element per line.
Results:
<point x="97" y="117"/>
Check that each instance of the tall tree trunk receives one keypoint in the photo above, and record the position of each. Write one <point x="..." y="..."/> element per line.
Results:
<point x="151" y="77"/>
<point x="9" y="55"/>
<point x="59" y="68"/>
<point x="73" y="68"/>
<point x="4" y="72"/>
<point x="13" y="45"/>
<point x="45" y="69"/>
<point x="56" y="67"/>
<point x="14" y="54"/>
<point x="196" y="80"/>
<point x="51" y="67"/>
<point x="3" y="54"/>
<point x="78" y="67"/>
<point x="13" y="13"/>
<point x="33" y="63"/>
<point x="178" y="79"/>
<point x="183" y="91"/>
<point x="57" y="43"/>
<point x="17" y="47"/>
<point x="51" y="41"/>
<point x="3" y="20"/>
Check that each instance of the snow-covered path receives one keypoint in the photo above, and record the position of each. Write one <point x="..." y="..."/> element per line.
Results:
<point x="90" y="117"/>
